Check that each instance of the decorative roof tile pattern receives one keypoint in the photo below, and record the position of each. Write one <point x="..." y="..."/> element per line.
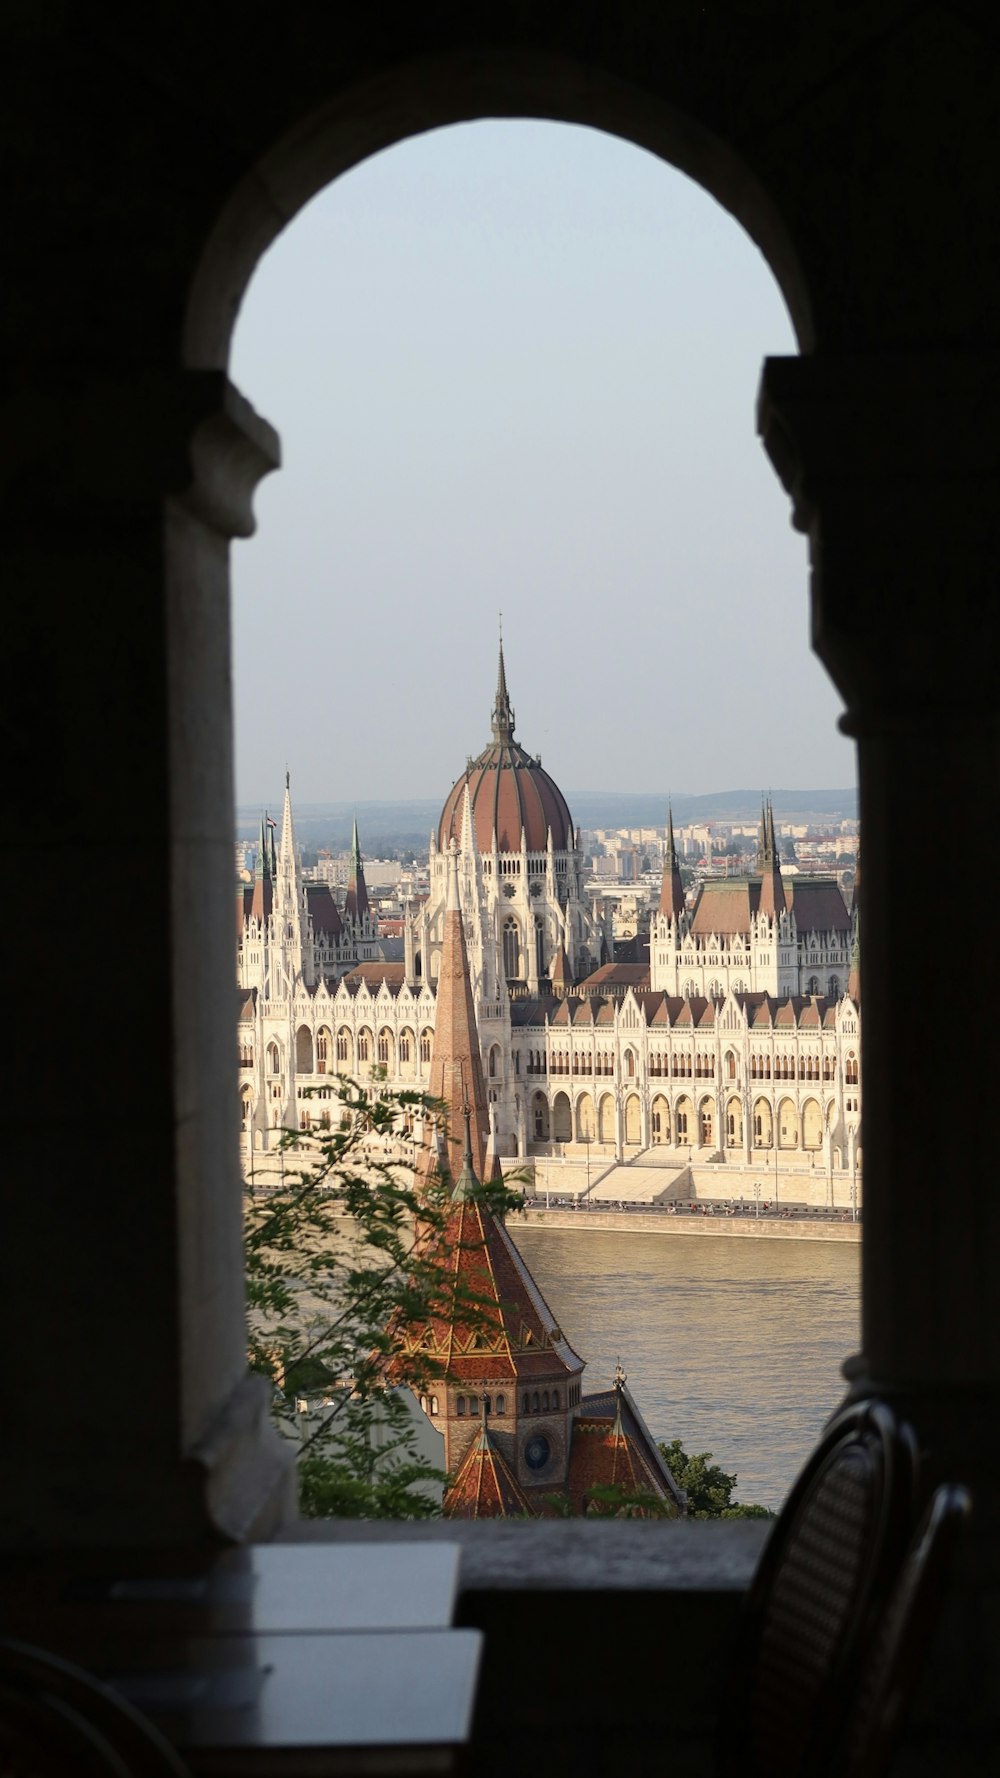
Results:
<point x="485" y="1486"/>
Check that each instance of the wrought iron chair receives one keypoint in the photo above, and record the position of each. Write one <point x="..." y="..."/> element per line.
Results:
<point x="830" y="1565"/>
<point x="56" y="1721"/>
<point x="894" y="1661"/>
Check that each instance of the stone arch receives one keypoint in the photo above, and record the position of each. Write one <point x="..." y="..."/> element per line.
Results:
<point x="273" y="1058"/>
<point x="788" y="1124"/>
<point x="324" y="1050"/>
<point x="706" y="1121"/>
<point x="494" y="1067"/>
<point x="684" y="1124"/>
<point x="365" y="1047"/>
<point x="562" y="1119"/>
<point x="763" y="1124"/>
<point x="586" y="1123"/>
<point x="812" y="1124"/>
<point x="426" y="1048"/>
<point x="246" y="1108"/>
<point x="540" y="1120"/>
<point x="550" y="81"/>
<point x="303" y="1050"/>
<point x="606" y="1118"/>
<point x="345" y="1049"/>
<point x="659" y="1119"/>
<point x="407" y="1053"/>
<point x="385" y="1051"/>
<point x="734" y="1122"/>
<point x="633" y="1121"/>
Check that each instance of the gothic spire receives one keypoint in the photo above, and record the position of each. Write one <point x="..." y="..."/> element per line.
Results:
<point x="671" y="889"/>
<point x="503" y="716"/>
<point x="772" y="889"/>
<point x="356" y="902"/>
<point x="456" y="1064"/>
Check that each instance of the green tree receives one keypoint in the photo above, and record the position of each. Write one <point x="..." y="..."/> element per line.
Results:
<point x="346" y="1265"/>
<point x="709" y="1489"/>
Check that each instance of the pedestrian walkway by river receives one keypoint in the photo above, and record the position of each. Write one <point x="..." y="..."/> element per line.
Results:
<point x="731" y="1346"/>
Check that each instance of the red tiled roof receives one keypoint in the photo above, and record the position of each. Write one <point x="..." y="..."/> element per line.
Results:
<point x="485" y="1486"/>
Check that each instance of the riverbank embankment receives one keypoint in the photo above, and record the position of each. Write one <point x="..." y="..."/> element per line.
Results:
<point x="658" y="1222"/>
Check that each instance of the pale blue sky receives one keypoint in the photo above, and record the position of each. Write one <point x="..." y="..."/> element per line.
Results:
<point x="514" y="367"/>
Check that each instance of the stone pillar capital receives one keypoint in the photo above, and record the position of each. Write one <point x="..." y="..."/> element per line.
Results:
<point x="892" y="463"/>
<point x="125" y="441"/>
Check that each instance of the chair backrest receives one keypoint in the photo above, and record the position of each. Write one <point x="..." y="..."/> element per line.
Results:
<point x="830" y="1561"/>
<point x="56" y="1719"/>
<point x="895" y="1659"/>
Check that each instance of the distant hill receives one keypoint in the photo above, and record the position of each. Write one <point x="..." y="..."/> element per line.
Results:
<point x="406" y="825"/>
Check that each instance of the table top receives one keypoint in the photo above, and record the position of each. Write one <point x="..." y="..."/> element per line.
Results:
<point x="289" y="1658"/>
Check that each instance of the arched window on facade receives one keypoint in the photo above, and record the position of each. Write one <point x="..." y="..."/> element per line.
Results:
<point x="511" y="950"/>
<point x="273" y="1059"/>
<point x="539" y="945"/>
<point x="501" y="1405"/>
<point x="834" y="987"/>
<point x="426" y="1038"/>
<point x="851" y="1070"/>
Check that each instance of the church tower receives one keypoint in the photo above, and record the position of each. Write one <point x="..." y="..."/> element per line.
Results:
<point x="512" y="1382"/>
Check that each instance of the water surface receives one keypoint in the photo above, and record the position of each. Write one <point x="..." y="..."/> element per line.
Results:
<point x="732" y="1346"/>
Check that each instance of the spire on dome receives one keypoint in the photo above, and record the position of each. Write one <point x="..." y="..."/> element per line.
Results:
<point x="356" y="902"/>
<point x="503" y="716"/>
<point x="671" y="889"/>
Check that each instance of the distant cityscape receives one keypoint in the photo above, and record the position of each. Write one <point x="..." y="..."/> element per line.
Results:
<point x="625" y="863"/>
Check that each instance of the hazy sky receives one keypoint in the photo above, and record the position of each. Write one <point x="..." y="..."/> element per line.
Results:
<point x="514" y="368"/>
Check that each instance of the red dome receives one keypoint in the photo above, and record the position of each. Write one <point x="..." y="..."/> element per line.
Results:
<point x="509" y="791"/>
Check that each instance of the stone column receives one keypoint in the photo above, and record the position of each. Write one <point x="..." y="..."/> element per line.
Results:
<point x="894" y="470"/>
<point x="116" y="557"/>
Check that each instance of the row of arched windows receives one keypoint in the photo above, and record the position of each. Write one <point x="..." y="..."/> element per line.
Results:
<point x="540" y="1401"/>
<point x="473" y="1405"/>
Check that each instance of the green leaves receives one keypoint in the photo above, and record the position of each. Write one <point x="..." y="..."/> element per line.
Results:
<point x="709" y="1489"/>
<point x="347" y="1268"/>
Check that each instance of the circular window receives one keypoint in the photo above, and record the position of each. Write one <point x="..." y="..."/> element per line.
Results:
<point x="536" y="888"/>
<point x="508" y="890"/>
<point x="537" y="1451"/>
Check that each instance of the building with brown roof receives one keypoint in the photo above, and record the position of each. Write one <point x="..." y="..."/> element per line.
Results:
<point x="510" y="1402"/>
<point x="734" y="1052"/>
<point x="757" y="934"/>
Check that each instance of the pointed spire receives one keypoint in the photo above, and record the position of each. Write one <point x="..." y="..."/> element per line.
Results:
<point x="456" y="1076"/>
<point x="356" y="902"/>
<point x="503" y="716"/>
<point x="772" y="890"/>
<point x="466" y="1183"/>
<point x="262" y="868"/>
<point x="671" y="889"/>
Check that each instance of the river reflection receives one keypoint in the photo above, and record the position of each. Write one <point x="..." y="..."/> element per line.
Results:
<point x="732" y="1346"/>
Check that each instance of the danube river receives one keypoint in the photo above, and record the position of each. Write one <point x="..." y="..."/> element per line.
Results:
<point x="731" y="1346"/>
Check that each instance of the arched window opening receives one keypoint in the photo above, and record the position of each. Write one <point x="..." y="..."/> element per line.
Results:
<point x="511" y="949"/>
